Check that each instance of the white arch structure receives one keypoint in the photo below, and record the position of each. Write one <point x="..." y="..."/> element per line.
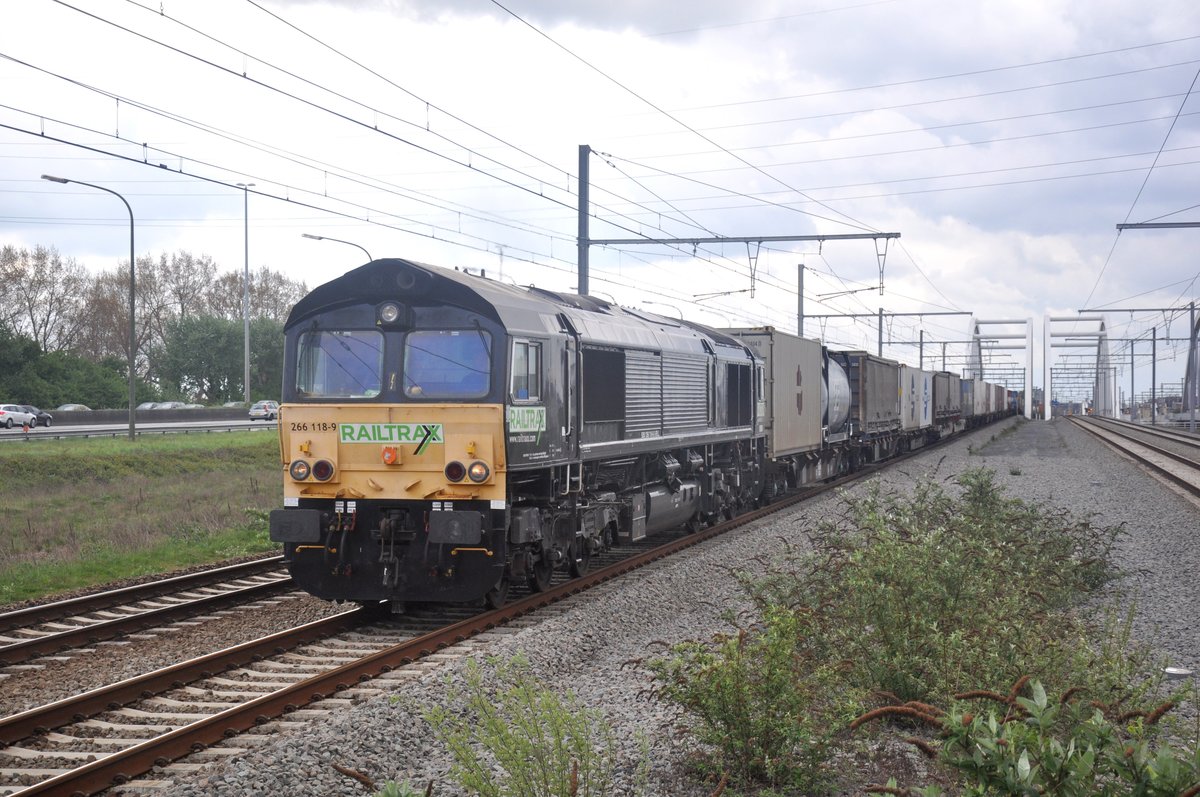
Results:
<point x="974" y="367"/>
<point x="1104" y="383"/>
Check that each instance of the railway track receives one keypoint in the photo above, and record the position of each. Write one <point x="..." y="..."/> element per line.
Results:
<point x="1173" y="455"/>
<point x="219" y="704"/>
<point x="63" y="625"/>
<point x="93" y="741"/>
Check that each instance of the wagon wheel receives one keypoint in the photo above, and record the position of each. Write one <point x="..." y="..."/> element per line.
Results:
<point x="579" y="557"/>
<point x="497" y="596"/>
<point x="540" y="574"/>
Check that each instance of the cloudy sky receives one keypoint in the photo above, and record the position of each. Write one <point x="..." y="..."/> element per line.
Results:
<point x="1003" y="141"/>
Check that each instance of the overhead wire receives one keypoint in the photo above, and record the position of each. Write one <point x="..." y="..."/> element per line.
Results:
<point x="955" y="75"/>
<point x="288" y="94"/>
<point x="850" y="219"/>
<point x="1141" y="188"/>
<point x="927" y="279"/>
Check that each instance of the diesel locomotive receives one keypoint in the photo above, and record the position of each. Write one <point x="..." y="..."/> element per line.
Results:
<point x="444" y="436"/>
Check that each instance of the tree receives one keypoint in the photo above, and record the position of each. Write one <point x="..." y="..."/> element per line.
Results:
<point x="202" y="359"/>
<point x="187" y="280"/>
<point x="104" y="330"/>
<point x="266" y="358"/>
<point x="271" y="295"/>
<point x="49" y="379"/>
<point x="43" y="294"/>
<point x="16" y="352"/>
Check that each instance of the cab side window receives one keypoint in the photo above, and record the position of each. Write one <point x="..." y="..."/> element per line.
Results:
<point x="526" y="371"/>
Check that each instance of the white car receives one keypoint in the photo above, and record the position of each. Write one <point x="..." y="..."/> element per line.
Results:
<point x="13" y="415"/>
<point x="264" y="410"/>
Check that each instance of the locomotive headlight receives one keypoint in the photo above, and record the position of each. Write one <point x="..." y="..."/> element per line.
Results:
<point x="479" y="472"/>
<point x="455" y="471"/>
<point x="389" y="312"/>
<point x="322" y="470"/>
<point x="299" y="470"/>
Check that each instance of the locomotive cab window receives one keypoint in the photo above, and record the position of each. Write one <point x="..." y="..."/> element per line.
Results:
<point x="447" y="364"/>
<point x="526" y="371"/>
<point x="339" y="363"/>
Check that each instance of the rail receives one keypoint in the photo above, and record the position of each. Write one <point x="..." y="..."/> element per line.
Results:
<point x="1181" y="470"/>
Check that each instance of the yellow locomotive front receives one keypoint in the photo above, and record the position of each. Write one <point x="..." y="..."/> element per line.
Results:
<point x="392" y="446"/>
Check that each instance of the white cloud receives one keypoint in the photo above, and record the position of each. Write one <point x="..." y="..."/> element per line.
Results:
<point x="1004" y="141"/>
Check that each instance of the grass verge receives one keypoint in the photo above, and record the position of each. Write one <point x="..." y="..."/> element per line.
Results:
<point x="81" y="513"/>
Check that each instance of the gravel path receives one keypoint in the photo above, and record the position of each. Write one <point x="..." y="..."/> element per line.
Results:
<point x="591" y="644"/>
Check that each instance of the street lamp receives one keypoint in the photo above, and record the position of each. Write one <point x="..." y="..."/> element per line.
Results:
<point x="338" y="240"/>
<point x="678" y="312"/>
<point x="246" y="284"/>
<point x="132" y="296"/>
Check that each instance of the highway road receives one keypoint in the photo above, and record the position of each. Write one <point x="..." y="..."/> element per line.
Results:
<point x="143" y="428"/>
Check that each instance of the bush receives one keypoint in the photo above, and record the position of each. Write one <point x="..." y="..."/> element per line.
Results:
<point x="1068" y="748"/>
<point x="761" y="699"/>
<point x="523" y="740"/>
<point x="928" y="595"/>
<point x="916" y="598"/>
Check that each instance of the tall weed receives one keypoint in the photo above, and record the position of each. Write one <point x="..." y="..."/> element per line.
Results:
<point x="511" y="736"/>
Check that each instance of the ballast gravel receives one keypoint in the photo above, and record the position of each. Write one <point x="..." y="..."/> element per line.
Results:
<point x="592" y="643"/>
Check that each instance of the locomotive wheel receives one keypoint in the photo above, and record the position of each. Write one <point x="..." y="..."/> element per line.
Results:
<point x="540" y="574"/>
<point x="579" y="558"/>
<point x="497" y="596"/>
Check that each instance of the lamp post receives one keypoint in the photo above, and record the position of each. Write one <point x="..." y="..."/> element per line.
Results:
<point x="246" y="284"/>
<point x="132" y="298"/>
<point x="338" y="240"/>
<point x="678" y="312"/>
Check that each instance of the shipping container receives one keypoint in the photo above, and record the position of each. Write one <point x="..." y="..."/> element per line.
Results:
<point x="796" y="398"/>
<point x="982" y="396"/>
<point x="874" y="391"/>
<point x="947" y="397"/>
<point x="916" y="398"/>
<point x="967" y="389"/>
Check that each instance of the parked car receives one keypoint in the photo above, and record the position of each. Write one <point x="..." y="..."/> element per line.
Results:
<point x="266" y="410"/>
<point x="73" y="408"/>
<point x="42" y="418"/>
<point x="14" y="415"/>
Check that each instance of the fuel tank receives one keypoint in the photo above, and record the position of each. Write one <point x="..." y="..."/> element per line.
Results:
<point x="668" y="508"/>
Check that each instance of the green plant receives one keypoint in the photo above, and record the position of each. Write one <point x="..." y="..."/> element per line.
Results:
<point x="924" y="595"/>
<point x="1071" y="747"/>
<point x="762" y="699"/>
<point x="520" y="739"/>
<point x="394" y="789"/>
<point x="1067" y="747"/>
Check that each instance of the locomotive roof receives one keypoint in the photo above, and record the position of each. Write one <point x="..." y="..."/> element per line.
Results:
<point x="521" y="310"/>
